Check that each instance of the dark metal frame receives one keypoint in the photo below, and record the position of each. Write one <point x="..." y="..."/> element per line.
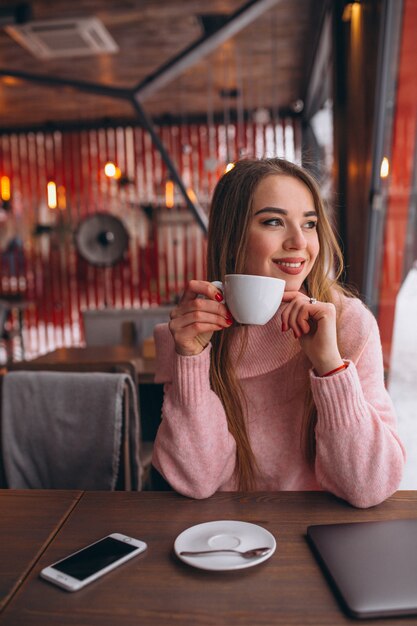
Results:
<point x="166" y="73"/>
<point x="384" y="112"/>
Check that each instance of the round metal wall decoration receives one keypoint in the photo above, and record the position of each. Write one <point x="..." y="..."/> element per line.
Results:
<point x="101" y="239"/>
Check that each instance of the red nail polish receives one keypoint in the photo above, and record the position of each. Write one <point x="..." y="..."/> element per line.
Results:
<point x="218" y="297"/>
<point x="229" y="320"/>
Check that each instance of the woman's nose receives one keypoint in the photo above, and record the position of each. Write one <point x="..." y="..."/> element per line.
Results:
<point x="295" y="240"/>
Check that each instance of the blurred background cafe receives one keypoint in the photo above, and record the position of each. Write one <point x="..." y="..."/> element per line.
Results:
<point x="118" y="117"/>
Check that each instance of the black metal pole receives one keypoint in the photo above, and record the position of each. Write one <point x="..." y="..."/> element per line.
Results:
<point x="195" y="209"/>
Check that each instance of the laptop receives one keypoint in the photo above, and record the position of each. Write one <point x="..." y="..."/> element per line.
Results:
<point x="372" y="566"/>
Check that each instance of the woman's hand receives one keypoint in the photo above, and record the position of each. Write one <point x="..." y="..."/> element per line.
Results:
<point x="314" y="324"/>
<point x="195" y="319"/>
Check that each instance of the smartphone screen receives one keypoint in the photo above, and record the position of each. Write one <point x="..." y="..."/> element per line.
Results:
<point x="94" y="558"/>
<point x="91" y="562"/>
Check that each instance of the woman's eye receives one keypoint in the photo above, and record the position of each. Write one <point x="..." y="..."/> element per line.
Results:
<point x="311" y="224"/>
<point x="274" y="221"/>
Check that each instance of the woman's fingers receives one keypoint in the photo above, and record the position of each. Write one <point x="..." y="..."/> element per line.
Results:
<point x="191" y="335"/>
<point x="220" y="318"/>
<point x="297" y="313"/>
<point x="298" y="320"/>
<point x="314" y="324"/>
<point x="200" y="306"/>
<point x="198" y="295"/>
<point x="198" y="315"/>
<point x="197" y="288"/>
<point x="295" y="319"/>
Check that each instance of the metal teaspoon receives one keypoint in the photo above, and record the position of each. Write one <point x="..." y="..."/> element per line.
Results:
<point x="247" y="554"/>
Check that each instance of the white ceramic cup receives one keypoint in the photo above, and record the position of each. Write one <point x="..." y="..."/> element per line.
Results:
<point x="251" y="299"/>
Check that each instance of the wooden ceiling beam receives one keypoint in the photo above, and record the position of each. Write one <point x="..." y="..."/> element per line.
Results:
<point x="200" y="48"/>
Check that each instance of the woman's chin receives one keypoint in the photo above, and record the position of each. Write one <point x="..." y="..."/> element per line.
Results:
<point x="292" y="285"/>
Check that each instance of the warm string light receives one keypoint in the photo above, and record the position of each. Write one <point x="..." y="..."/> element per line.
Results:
<point x="229" y="167"/>
<point x="351" y="10"/>
<point x="112" y="171"/>
<point x="5" y="188"/>
<point x="169" y="194"/>
<point x="384" y="171"/>
<point x="51" y="195"/>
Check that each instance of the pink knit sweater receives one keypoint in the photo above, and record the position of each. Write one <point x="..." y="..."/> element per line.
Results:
<point x="359" y="456"/>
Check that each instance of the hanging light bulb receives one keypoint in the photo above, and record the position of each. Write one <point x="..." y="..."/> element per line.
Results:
<point x="351" y="8"/>
<point x="384" y="171"/>
<point x="51" y="194"/>
<point x="169" y="194"/>
<point x="5" y="188"/>
<point x="112" y="171"/>
<point x="229" y="167"/>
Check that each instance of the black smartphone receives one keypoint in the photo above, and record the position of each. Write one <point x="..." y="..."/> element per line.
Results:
<point x="86" y="565"/>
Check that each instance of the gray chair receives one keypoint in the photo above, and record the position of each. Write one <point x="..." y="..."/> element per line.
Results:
<point x="70" y="430"/>
<point x="112" y="327"/>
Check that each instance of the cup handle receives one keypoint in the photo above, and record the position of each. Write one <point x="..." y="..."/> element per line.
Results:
<point x="219" y="285"/>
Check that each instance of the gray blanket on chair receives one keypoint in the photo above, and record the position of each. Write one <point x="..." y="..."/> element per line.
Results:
<point x="64" y="430"/>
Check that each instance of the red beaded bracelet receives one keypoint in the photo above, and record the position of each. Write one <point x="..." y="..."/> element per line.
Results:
<point x="338" y="369"/>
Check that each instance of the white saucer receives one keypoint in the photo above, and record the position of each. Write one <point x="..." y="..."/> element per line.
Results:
<point x="224" y="534"/>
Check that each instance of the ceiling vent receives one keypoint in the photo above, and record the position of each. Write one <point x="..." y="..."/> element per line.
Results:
<point x="53" y="39"/>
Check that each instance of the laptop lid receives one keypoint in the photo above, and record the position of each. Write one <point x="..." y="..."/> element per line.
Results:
<point x="372" y="566"/>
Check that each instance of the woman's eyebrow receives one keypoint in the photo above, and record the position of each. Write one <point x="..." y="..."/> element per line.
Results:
<point x="284" y="212"/>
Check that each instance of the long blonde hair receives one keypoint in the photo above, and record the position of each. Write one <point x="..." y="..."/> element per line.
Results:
<point x="230" y="218"/>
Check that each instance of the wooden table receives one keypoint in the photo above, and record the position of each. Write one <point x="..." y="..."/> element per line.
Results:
<point x="145" y="368"/>
<point x="156" y="588"/>
<point x="29" y="521"/>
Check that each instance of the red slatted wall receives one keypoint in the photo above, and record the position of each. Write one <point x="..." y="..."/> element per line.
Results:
<point x="166" y="247"/>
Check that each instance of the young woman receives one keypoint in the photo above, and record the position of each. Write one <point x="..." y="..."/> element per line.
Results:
<point x="296" y="404"/>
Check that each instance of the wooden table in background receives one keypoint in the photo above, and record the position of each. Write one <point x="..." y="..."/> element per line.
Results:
<point x="156" y="588"/>
<point x="29" y="521"/>
<point x="145" y="368"/>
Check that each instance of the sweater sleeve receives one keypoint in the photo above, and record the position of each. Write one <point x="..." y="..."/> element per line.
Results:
<point x="359" y="456"/>
<point x="194" y="449"/>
